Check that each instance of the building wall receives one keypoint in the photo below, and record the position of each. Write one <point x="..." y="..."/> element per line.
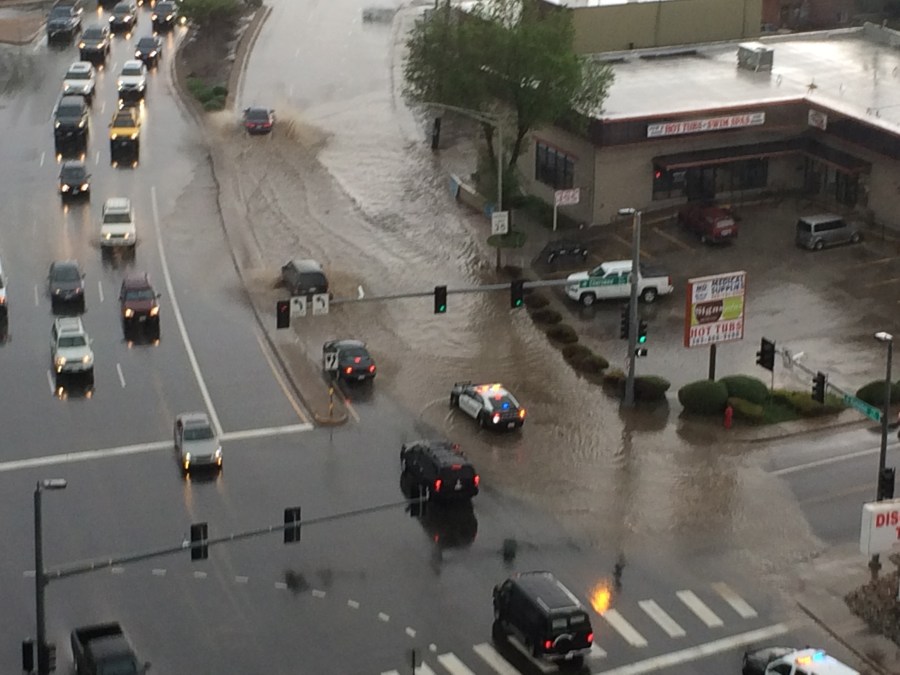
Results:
<point x="807" y="14"/>
<point x="655" y="24"/>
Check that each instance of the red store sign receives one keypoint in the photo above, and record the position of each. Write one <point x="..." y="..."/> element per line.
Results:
<point x="741" y="120"/>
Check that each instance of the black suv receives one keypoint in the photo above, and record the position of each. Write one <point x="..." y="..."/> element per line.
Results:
<point x="148" y="49"/>
<point x="70" y="120"/>
<point x="437" y="470"/>
<point x="544" y="617"/>
<point x="94" y="43"/>
<point x="65" y="282"/>
<point x="63" y="22"/>
<point x="165" y="16"/>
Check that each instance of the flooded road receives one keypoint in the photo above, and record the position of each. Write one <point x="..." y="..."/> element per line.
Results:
<point x="348" y="178"/>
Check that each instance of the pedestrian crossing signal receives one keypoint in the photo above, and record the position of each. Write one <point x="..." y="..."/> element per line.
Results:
<point x="440" y="299"/>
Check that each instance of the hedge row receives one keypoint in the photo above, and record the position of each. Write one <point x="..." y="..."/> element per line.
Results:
<point x="750" y="399"/>
<point x="212" y="97"/>
<point x="873" y="393"/>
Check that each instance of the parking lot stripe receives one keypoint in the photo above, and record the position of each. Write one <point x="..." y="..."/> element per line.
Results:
<point x="869" y="263"/>
<point x="698" y="607"/>
<point x="883" y="282"/>
<point x="492" y="657"/>
<point x="741" y="606"/>
<point x="453" y="665"/>
<point x="623" y="628"/>
<point x="658" y="614"/>
<point x="674" y="240"/>
<point x="627" y="243"/>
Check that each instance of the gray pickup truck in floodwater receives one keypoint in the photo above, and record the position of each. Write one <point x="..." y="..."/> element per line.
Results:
<point x="104" y="649"/>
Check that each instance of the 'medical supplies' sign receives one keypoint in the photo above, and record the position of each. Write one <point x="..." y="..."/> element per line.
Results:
<point x="879" y="531"/>
<point x="714" y="310"/>
<point x="738" y="121"/>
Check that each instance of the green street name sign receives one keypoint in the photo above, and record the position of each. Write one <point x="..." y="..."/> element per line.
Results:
<point x="868" y="410"/>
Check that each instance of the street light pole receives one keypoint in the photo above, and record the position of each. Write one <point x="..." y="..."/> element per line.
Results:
<point x="632" y="303"/>
<point x="40" y="579"/>
<point x="881" y="336"/>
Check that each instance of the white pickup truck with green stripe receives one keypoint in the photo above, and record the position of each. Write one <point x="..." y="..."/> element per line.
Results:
<point x="611" y="281"/>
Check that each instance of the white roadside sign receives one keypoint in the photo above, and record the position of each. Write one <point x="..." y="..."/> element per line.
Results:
<point x="298" y="305"/>
<point x="320" y="304"/>
<point x="500" y="222"/>
<point x="880" y="528"/>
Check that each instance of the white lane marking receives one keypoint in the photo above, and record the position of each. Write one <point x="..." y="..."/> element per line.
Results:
<point x="411" y="632"/>
<point x="276" y="373"/>
<point x="43" y="156"/>
<point x="100" y="290"/>
<point x="158" y="572"/>
<point x="318" y="594"/>
<point x="596" y="652"/>
<point x="825" y="462"/>
<point x="699" y="652"/>
<point x="492" y="657"/>
<point x="28" y="574"/>
<point x="198" y="574"/>
<point x="453" y="665"/>
<point x="121" y="375"/>
<point x="70" y="457"/>
<point x="623" y="628"/>
<point x="542" y="666"/>
<point x="659" y="615"/>
<point x="391" y="672"/>
<point x="383" y="617"/>
<point x="97" y="158"/>
<point x="37" y="298"/>
<point x="741" y="606"/>
<point x="102" y="110"/>
<point x="40" y="43"/>
<point x="698" y="607"/>
<point x="52" y="391"/>
<point x="268" y="431"/>
<point x="424" y="669"/>
<point x="117" y="570"/>
<point x="241" y="580"/>
<point x="85" y="455"/>
<point x="173" y="301"/>
<point x="281" y="586"/>
<point x="352" y="604"/>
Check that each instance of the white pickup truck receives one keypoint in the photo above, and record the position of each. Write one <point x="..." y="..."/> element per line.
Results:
<point x="611" y="281"/>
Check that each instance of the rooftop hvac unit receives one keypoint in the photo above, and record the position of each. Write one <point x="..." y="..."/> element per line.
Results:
<point x="755" y="56"/>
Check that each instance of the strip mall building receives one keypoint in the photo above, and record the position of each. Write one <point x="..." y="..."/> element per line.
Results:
<point x="686" y="123"/>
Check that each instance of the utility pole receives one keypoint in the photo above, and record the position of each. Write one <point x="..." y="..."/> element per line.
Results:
<point x="633" y="302"/>
<point x="888" y="339"/>
<point x="40" y="578"/>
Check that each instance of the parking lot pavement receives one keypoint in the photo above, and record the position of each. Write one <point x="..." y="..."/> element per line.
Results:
<point x="826" y="304"/>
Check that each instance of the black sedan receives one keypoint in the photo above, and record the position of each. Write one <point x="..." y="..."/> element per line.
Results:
<point x="348" y="360"/>
<point x="149" y="50"/>
<point x="756" y="661"/>
<point x="74" y="180"/>
<point x="165" y="16"/>
<point x="65" y="283"/>
<point x="258" y="120"/>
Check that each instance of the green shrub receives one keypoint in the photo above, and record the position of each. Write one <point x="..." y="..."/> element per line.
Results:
<point x="575" y="353"/>
<point x="592" y="364"/>
<point x="215" y="103"/>
<point x="220" y="90"/>
<point x="802" y="402"/>
<point x="546" y="315"/>
<point x="562" y="332"/>
<point x="747" y="388"/>
<point x="650" y="388"/>
<point x="196" y="86"/>
<point x="614" y="377"/>
<point x="703" y="397"/>
<point x="746" y="410"/>
<point x="536" y="300"/>
<point x="873" y="393"/>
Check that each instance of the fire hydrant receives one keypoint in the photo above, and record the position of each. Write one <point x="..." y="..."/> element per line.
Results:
<point x="729" y="416"/>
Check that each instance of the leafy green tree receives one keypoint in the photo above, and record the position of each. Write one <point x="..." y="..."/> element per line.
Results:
<point x="211" y="13"/>
<point x="507" y="58"/>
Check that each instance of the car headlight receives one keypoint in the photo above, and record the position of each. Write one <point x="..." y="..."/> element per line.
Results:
<point x="154" y="311"/>
<point x="141" y="86"/>
<point x="80" y="45"/>
<point x="85" y="186"/>
<point x="67" y="88"/>
<point x="168" y="17"/>
<point x="87" y="359"/>
<point x="107" y="236"/>
<point x="133" y="136"/>
<point x="60" y="361"/>
<point x="129" y="313"/>
<point x="113" y="137"/>
<point x="154" y="16"/>
<point x="57" y="124"/>
<point x="56" y="291"/>
<point x="64" y="188"/>
<point x="137" y="54"/>
<point x="111" y="19"/>
<point x="153" y="53"/>
<point x="81" y="123"/>
<point x="218" y="452"/>
<point x="127" y="235"/>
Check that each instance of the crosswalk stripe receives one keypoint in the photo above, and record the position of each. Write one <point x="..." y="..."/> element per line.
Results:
<point x="741" y="606"/>
<point x="424" y="669"/>
<point x="698" y="607"/>
<point x="666" y="622"/>
<point x="623" y="628"/>
<point x="596" y="652"/>
<point x="491" y="657"/>
<point x="391" y="672"/>
<point x="453" y="665"/>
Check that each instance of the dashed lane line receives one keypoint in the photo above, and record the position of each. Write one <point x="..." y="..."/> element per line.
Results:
<point x="121" y="375"/>
<point x="100" y="290"/>
<point x="138" y="448"/>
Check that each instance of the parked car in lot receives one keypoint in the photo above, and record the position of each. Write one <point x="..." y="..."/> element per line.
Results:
<point x="826" y="229"/>
<point x="712" y="224"/>
<point x="612" y="281"/>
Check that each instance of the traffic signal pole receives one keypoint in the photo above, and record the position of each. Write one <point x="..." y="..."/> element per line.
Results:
<point x="633" y="303"/>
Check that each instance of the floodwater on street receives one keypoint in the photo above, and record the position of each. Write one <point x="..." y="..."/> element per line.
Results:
<point x="349" y="179"/>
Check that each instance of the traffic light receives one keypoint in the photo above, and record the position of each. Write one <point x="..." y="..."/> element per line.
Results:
<point x="28" y="655"/>
<point x="640" y="351"/>
<point x="199" y="546"/>
<point x="292" y="525"/>
<point x="283" y="314"/>
<point x="765" y="357"/>
<point x="818" y="389"/>
<point x="440" y="299"/>
<point x="623" y="321"/>
<point x="46" y="656"/>
<point x="642" y="333"/>
<point x="886" y="483"/>
<point x="516" y="294"/>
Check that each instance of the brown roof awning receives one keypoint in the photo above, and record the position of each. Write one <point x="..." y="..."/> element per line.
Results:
<point x="837" y="159"/>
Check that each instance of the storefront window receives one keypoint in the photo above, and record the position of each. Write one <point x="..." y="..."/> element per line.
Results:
<point x="750" y="174"/>
<point x="553" y="168"/>
<point x="668" y="184"/>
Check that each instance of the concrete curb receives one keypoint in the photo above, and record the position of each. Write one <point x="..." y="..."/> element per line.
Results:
<point x="192" y="107"/>
<point x="245" y="46"/>
<point x="837" y="636"/>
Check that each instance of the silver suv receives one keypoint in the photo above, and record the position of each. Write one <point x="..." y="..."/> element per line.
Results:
<point x="70" y="347"/>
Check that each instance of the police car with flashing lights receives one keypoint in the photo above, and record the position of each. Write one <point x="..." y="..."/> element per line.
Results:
<point x="788" y="661"/>
<point x="491" y="405"/>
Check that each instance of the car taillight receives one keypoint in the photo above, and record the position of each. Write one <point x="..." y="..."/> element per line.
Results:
<point x="548" y="644"/>
<point x="590" y="638"/>
<point x="522" y="413"/>
<point x="348" y="370"/>
<point x="372" y="368"/>
<point x="437" y="485"/>
<point x="477" y="480"/>
<point x="496" y="418"/>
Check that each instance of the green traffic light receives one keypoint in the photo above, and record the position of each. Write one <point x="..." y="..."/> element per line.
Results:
<point x="442" y="309"/>
<point x="642" y="339"/>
